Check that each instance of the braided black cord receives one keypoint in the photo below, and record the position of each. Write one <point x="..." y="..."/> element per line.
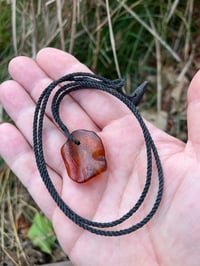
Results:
<point x="82" y="81"/>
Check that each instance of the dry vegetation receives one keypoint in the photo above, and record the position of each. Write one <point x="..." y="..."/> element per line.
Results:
<point x="138" y="40"/>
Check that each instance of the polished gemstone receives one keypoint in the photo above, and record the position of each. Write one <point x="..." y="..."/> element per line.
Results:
<point x="86" y="160"/>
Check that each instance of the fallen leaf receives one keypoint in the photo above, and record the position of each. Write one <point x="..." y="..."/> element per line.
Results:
<point x="22" y="225"/>
<point x="41" y="233"/>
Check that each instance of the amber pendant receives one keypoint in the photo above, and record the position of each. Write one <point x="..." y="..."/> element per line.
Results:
<point x="86" y="160"/>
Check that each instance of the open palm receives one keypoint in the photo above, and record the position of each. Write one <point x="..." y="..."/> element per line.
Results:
<point x="172" y="237"/>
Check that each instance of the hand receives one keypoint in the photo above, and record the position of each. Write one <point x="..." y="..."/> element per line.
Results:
<point x="172" y="237"/>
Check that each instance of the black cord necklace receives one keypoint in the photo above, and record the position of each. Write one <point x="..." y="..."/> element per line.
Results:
<point x="77" y="81"/>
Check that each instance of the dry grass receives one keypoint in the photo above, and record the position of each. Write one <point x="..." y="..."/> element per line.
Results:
<point x="138" y="40"/>
<point x="10" y="197"/>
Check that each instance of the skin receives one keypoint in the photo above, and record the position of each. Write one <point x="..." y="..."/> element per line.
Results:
<point x="172" y="237"/>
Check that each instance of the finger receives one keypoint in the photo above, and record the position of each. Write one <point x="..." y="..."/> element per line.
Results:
<point x="26" y="72"/>
<point x="19" y="156"/>
<point x="100" y="106"/>
<point x="20" y="108"/>
<point x="193" y="110"/>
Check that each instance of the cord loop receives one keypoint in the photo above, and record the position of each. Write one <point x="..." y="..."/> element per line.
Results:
<point x="78" y="81"/>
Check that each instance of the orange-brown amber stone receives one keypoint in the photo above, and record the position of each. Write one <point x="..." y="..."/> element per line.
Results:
<point x="85" y="160"/>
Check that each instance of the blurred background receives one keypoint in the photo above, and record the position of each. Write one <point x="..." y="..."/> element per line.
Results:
<point x="157" y="41"/>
